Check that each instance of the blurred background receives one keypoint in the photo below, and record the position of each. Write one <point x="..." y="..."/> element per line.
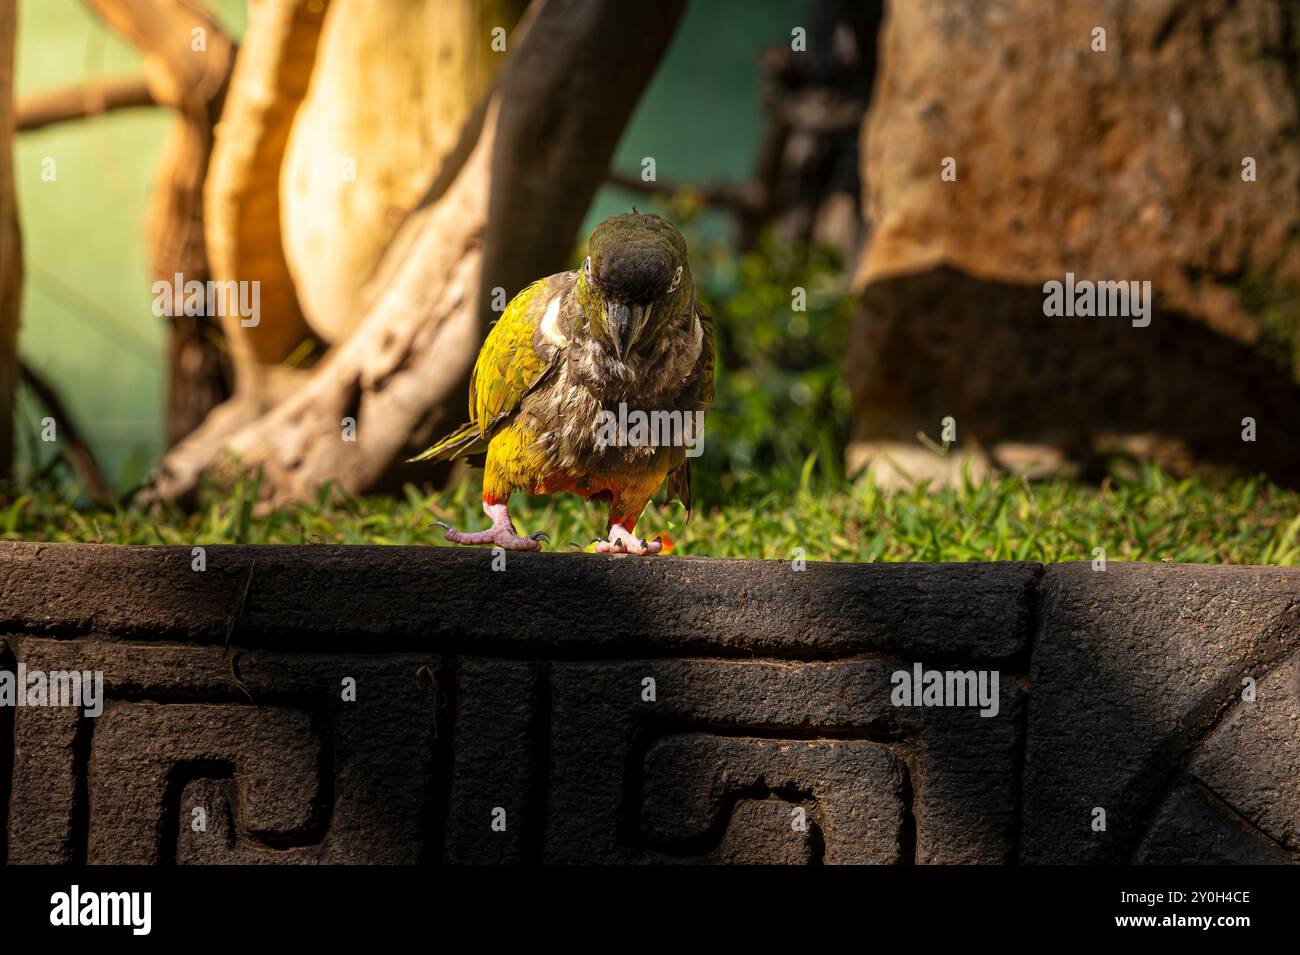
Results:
<point x="874" y="192"/>
<point x="87" y="327"/>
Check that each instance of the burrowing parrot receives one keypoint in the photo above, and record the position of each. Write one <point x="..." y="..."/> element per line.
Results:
<point x="574" y="352"/>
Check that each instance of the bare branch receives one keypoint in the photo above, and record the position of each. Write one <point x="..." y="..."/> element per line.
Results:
<point x="76" y="451"/>
<point x="745" y="198"/>
<point x="82" y="101"/>
<point x="187" y="62"/>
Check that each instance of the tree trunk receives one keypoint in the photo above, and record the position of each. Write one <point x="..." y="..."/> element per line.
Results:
<point x="11" y="265"/>
<point x="242" y="219"/>
<point x="1131" y="164"/>
<point x="502" y="212"/>
<point x="367" y="142"/>
<point x="187" y="62"/>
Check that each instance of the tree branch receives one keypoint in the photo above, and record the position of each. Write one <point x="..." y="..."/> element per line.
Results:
<point x="82" y="101"/>
<point x="746" y="198"/>
<point x="76" y="452"/>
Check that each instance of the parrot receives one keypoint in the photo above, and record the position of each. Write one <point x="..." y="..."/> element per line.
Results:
<point x="572" y="352"/>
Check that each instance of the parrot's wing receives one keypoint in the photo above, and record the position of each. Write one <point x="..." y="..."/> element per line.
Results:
<point x="509" y="364"/>
<point x="700" y="394"/>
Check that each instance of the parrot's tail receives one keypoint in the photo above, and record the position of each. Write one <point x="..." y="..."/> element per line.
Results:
<point x="464" y="440"/>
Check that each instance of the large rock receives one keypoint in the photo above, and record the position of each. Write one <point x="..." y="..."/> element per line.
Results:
<point x="1117" y="165"/>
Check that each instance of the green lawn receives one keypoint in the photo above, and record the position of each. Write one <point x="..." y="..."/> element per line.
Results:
<point x="1151" y="518"/>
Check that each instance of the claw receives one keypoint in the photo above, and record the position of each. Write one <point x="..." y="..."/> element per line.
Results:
<point x="502" y="533"/>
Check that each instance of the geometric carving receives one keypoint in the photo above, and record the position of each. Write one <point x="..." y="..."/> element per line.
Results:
<point x="770" y="735"/>
<point x="1193" y="827"/>
<point x="1137" y="710"/>
<point x="494" y="762"/>
<point x="299" y="774"/>
<point x="853" y="797"/>
<point x="143" y="755"/>
<point x="1252" y="759"/>
<point x="638" y="781"/>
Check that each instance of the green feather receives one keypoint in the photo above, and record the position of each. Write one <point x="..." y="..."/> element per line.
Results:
<point x="508" y="367"/>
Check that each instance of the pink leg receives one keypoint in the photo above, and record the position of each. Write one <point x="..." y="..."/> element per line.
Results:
<point x="501" y="534"/>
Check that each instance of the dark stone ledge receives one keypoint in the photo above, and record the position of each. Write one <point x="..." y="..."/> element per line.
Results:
<point x="435" y="597"/>
<point x="524" y="692"/>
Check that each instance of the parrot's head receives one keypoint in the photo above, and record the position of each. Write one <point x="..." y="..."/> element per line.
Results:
<point x="634" y="284"/>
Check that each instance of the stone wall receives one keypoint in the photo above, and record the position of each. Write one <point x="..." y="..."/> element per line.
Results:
<point x="575" y="708"/>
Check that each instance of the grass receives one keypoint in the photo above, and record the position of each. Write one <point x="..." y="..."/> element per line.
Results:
<point x="1150" y="517"/>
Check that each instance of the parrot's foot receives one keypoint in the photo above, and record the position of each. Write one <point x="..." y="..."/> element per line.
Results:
<point x="501" y="534"/>
<point x="622" y="541"/>
<point x="497" y="536"/>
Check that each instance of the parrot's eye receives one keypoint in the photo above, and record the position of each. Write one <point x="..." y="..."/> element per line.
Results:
<point x="677" y="280"/>
<point x="586" y="268"/>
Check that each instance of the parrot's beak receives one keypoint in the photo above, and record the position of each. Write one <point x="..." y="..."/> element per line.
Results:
<point x="620" y="320"/>
<point x="625" y="324"/>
